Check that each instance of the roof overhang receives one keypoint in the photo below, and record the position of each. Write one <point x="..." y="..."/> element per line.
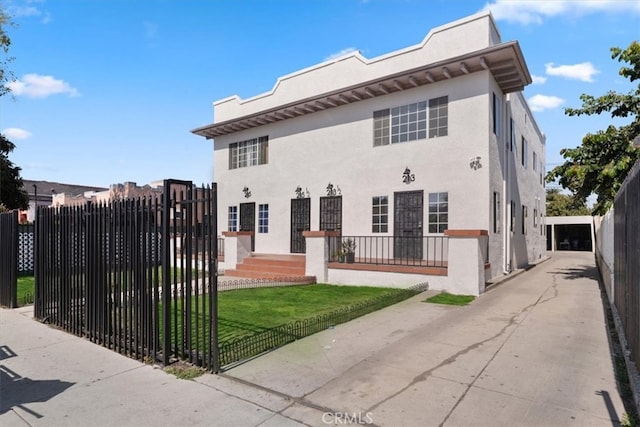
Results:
<point x="505" y="62"/>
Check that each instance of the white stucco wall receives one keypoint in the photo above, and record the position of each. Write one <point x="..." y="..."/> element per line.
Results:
<point x="453" y="39"/>
<point x="526" y="187"/>
<point x="336" y="146"/>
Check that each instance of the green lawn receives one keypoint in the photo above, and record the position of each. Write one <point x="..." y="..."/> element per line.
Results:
<point x="26" y="289"/>
<point x="269" y="307"/>
<point x="450" y="299"/>
<point x="245" y="312"/>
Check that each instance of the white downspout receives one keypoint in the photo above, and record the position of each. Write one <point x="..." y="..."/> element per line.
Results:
<point x="506" y="247"/>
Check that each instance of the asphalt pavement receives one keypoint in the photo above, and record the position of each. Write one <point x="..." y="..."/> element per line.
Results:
<point x="532" y="351"/>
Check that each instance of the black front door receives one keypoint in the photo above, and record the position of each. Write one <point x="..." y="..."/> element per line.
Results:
<point x="407" y="227"/>
<point x="331" y="213"/>
<point x="300" y="221"/>
<point x="248" y="221"/>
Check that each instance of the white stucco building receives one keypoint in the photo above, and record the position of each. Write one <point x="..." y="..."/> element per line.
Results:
<point x="405" y="152"/>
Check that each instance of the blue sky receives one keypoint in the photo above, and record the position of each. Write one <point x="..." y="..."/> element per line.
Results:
<point x="107" y="91"/>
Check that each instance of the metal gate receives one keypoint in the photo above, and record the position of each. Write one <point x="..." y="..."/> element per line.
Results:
<point x="138" y="276"/>
<point x="407" y="228"/>
<point x="248" y="221"/>
<point x="9" y="259"/>
<point x="331" y="213"/>
<point x="300" y="221"/>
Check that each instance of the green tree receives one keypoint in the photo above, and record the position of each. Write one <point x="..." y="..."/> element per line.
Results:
<point x="12" y="196"/>
<point x="6" y="75"/>
<point x="559" y="204"/>
<point x="601" y="163"/>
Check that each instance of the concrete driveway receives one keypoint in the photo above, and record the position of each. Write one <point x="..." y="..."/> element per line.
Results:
<point x="533" y="351"/>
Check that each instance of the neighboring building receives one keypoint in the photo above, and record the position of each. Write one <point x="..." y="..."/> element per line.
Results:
<point x="43" y="193"/>
<point x="430" y="138"/>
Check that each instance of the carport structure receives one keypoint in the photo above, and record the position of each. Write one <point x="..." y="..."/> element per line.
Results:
<point x="570" y="233"/>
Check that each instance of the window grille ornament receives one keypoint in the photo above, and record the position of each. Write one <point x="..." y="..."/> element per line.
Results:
<point x="247" y="192"/>
<point x="333" y="191"/>
<point x="301" y="194"/>
<point x="407" y="176"/>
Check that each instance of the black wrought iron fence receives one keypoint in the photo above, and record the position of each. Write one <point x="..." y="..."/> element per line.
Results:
<point x="112" y="272"/>
<point x="9" y="259"/>
<point x="246" y="347"/>
<point x="425" y="251"/>
<point x="625" y="259"/>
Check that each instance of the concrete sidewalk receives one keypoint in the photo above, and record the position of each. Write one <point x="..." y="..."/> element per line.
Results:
<point x="533" y="351"/>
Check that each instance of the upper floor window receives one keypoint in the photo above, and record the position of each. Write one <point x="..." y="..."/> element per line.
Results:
<point x="512" y="135"/>
<point x="409" y="122"/>
<point x="525" y="149"/>
<point x="496" y="115"/>
<point x="251" y="152"/>
<point x="534" y="160"/>
<point x="380" y="217"/>
<point x="438" y="116"/>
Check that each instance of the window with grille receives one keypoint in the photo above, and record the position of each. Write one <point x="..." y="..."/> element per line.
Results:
<point x="233" y="218"/>
<point x="409" y="122"/>
<point x="263" y="218"/>
<point x="251" y="152"/>
<point x="438" y="212"/>
<point x="380" y="209"/>
<point x="438" y="116"/>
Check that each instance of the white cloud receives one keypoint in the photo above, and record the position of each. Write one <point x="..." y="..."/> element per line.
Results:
<point x="544" y="102"/>
<point x="583" y="71"/>
<point x="14" y="134"/>
<point x="538" y="80"/>
<point x="535" y="11"/>
<point x="150" y="30"/>
<point x="38" y="86"/>
<point x="28" y="10"/>
<point x="341" y="53"/>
